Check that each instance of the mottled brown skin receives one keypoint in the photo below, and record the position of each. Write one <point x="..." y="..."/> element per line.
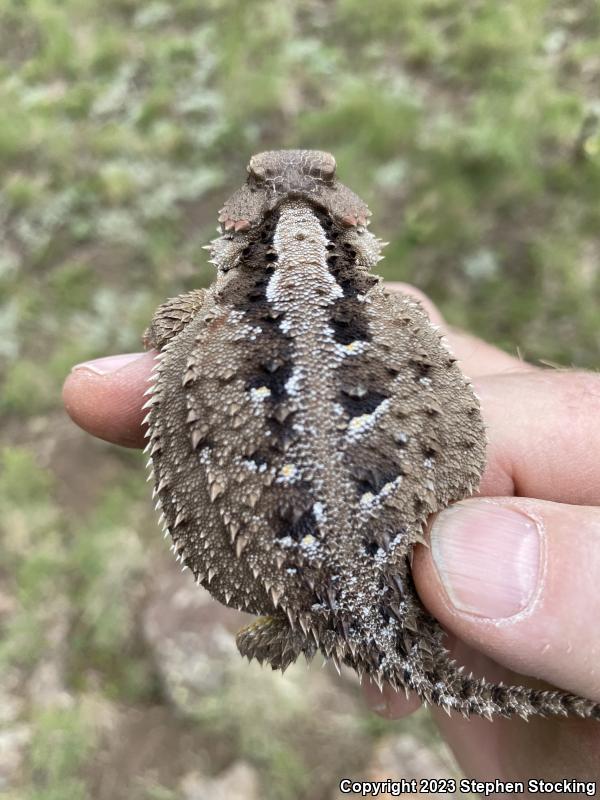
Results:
<point x="303" y="425"/>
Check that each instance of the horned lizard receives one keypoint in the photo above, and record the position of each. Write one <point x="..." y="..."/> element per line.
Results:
<point x="303" y="424"/>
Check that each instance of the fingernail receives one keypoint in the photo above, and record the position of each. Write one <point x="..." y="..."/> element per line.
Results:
<point x="108" y="364"/>
<point x="487" y="557"/>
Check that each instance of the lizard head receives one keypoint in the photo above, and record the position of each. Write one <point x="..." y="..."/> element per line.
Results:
<point x="291" y="170"/>
<point x="278" y="175"/>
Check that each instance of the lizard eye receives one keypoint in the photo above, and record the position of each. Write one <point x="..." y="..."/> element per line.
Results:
<point x="258" y="168"/>
<point x="321" y="165"/>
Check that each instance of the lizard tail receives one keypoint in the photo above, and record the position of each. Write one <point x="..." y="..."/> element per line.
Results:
<point x="415" y="659"/>
<point x="444" y="683"/>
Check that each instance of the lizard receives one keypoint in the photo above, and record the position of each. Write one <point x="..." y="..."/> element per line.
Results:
<point x="303" y="423"/>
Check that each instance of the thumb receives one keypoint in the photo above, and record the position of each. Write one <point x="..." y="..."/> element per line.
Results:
<point x="518" y="580"/>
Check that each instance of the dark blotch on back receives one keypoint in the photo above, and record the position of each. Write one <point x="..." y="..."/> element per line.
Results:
<point x="373" y="477"/>
<point x="349" y="321"/>
<point x="371" y="547"/>
<point x="275" y="379"/>
<point x="355" y="406"/>
<point x="283" y="434"/>
<point x="306" y="525"/>
<point x="296" y="517"/>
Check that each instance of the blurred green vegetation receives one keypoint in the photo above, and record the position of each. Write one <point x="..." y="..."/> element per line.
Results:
<point x="471" y="128"/>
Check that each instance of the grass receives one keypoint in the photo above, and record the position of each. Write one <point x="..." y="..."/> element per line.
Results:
<point x="472" y="129"/>
<point x="61" y="743"/>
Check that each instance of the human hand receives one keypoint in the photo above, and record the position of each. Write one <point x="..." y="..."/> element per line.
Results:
<point x="543" y="444"/>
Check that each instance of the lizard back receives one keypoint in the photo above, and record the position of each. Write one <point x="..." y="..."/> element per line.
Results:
<point x="303" y="424"/>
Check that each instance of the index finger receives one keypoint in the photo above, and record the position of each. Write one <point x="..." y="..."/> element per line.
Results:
<point x="543" y="435"/>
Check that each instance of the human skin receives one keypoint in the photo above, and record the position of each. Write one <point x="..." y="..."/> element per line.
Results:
<point x="512" y="577"/>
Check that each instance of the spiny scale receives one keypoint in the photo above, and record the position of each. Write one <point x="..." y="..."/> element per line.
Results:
<point x="303" y="425"/>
